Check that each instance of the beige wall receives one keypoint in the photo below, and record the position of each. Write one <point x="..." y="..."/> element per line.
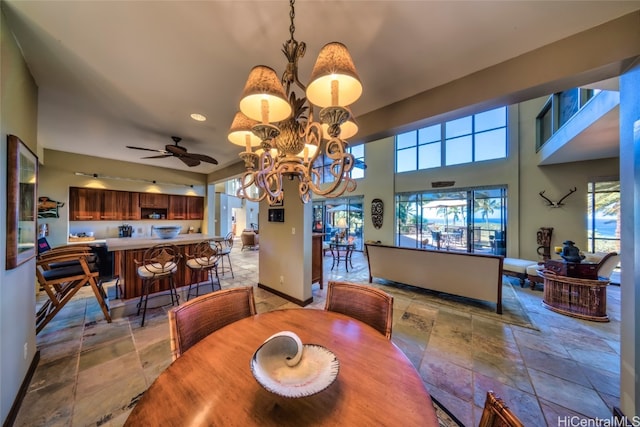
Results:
<point x="285" y="247"/>
<point x="569" y="222"/>
<point x="18" y="116"/>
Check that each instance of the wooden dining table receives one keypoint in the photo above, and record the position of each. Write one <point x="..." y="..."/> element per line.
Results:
<point x="211" y="384"/>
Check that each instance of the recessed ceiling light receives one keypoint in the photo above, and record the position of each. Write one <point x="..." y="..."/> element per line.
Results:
<point x="198" y="117"/>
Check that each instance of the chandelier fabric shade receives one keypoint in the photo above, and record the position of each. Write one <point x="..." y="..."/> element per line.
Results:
<point x="282" y="123"/>
<point x="263" y="98"/>
<point x="241" y="131"/>
<point x="334" y="80"/>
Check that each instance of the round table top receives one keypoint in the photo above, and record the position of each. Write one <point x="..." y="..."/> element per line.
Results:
<point x="212" y="384"/>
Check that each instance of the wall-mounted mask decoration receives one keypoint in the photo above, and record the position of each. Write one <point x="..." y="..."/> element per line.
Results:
<point x="377" y="211"/>
<point x="48" y="208"/>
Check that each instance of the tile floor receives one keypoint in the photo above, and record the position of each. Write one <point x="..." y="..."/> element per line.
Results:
<point x="545" y="365"/>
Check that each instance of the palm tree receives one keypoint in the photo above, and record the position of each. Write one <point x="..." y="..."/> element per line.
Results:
<point x="486" y="206"/>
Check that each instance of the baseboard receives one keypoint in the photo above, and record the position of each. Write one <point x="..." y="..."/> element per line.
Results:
<point x="285" y="296"/>
<point x="13" y="413"/>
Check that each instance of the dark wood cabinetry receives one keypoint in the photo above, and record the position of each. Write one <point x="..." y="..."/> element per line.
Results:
<point x="154" y="200"/>
<point x="84" y="204"/>
<point x="128" y="204"/>
<point x="177" y="207"/>
<point x="195" y="207"/>
<point x="91" y="204"/>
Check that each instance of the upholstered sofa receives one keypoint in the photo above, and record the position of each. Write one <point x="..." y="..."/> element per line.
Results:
<point x="249" y="239"/>
<point x="469" y="275"/>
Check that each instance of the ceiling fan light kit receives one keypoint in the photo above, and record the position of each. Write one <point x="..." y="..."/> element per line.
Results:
<point x="175" y="150"/>
<point x="272" y="117"/>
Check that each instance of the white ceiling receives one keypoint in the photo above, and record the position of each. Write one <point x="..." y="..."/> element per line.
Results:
<point x="117" y="73"/>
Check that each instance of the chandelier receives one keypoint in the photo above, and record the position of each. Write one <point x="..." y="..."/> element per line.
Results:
<point x="275" y="119"/>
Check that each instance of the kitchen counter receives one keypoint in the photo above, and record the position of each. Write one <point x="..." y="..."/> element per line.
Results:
<point x="128" y="243"/>
<point x="129" y="250"/>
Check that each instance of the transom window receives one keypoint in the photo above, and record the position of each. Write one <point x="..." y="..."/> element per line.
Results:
<point x="323" y="165"/>
<point x="475" y="138"/>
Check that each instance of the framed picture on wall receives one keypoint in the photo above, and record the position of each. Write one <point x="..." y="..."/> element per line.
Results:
<point x="22" y="178"/>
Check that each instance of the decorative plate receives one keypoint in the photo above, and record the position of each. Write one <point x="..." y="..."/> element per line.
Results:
<point x="317" y="369"/>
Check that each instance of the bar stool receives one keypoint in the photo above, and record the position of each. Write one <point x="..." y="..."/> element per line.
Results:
<point x="203" y="264"/>
<point x="159" y="262"/>
<point x="225" y="250"/>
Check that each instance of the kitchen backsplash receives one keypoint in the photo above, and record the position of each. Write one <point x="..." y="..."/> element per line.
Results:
<point x="109" y="229"/>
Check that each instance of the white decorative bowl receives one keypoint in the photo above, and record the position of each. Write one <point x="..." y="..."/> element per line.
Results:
<point x="167" y="231"/>
<point x="286" y="367"/>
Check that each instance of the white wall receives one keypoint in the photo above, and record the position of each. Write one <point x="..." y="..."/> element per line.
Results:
<point x="18" y="116"/>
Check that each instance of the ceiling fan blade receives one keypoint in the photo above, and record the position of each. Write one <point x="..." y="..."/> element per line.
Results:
<point x="175" y="149"/>
<point x="147" y="149"/>
<point x="189" y="161"/>
<point x="160" y="156"/>
<point x="202" y="158"/>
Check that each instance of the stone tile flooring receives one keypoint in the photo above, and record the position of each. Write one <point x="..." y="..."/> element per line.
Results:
<point x="545" y="365"/>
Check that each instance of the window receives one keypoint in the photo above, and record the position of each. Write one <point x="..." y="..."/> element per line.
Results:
<point x="322" y="165"/>
<point x="603" y="216"/>
<point x="473" y="220"/>
<point x="358" y="168"/>
<point x="475" y="138"/>
<point x="558" y="110"/>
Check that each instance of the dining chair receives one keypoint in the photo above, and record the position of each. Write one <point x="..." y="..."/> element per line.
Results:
<point x="365" y="303"/>
<point x="61" y="273"/>
<point x="199" y="317"/>
<point x="225" y="251"/>
<point x="497" y="414"/>
<point x="159" y="262"/>
<point x="203" y="265"/>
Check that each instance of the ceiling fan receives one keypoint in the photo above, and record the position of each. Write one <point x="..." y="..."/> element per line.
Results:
<point x="189" y="159"/>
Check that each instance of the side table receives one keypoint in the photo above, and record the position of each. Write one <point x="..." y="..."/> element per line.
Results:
<point x="582" y="298"/>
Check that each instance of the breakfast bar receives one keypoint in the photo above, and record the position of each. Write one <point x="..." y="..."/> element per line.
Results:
<point x="126" y="250"/>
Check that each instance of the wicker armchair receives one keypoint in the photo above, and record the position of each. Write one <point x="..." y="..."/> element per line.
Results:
<point x="249" y="238"/>
<point x="199" y="317"/>
<point x="497" y="414"/>
<point x="365" y="303"/>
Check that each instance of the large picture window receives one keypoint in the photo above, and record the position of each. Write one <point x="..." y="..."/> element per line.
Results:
<point x="473" y="220"/>
<point x="475" y="138"/>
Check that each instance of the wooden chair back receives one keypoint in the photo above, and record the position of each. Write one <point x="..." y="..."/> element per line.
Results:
<point x="62" y="272"/>
<point x="199" y="317"/>
<point x="497" y="414"/>
<point x="365" y="303"/>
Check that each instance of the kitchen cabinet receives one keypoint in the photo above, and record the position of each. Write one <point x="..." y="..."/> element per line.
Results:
<point x="92" y="204"/>
<point x="154" y="200"/>
<point x="109" y="205"/>
<point x="185" y="207"/>
<point x="195" y="207"/>
<point x="177" y="207"/>
<point x="84" y="204"/>
<point x="128" y="203"/>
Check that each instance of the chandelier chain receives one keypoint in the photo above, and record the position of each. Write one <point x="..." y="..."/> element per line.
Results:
<point x="292" y="15"/>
